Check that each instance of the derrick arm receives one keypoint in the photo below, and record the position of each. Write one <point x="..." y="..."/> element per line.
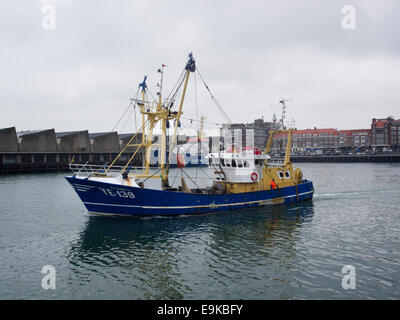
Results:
<point x="190" y="67"/>
<point x="288" y="147"/>
<point x="269" y="143"/>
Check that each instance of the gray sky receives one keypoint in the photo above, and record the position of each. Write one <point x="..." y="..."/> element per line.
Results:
<point x="251" y="53"/>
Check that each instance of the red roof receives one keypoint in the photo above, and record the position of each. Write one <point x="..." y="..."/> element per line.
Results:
<point x="380" y="123"/>
<point x="315" y="130"/>
<point x="334" y="132"/>
<point x="351" y="131"/>
<point x="312" y="131"/>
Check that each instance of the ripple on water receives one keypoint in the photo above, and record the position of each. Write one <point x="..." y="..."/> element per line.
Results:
<point x="283" y="252"/>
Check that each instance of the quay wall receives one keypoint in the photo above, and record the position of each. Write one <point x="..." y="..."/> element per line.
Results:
<point x="383" y="157"/>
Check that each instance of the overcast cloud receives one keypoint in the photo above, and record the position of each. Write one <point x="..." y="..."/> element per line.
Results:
<point x="82" y="74"/>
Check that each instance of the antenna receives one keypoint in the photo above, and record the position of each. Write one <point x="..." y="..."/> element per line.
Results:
<point x="274" y="121"/>
<point x="292" y="124"/>
<point x="159" y="85"/>
<point x="282" y="102"/>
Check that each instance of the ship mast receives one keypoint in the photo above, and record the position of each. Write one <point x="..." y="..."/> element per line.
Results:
<point x="143" y="85"/>
<point x="190" y="67"/>
<point x="152" y="113"/>
<point x="164" y="120"/>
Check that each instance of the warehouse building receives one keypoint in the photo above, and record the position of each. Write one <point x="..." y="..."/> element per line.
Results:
<point x="37" y="141"/>
<point x="104" y="142"/>
<point x="46" y="150"/>
<point x="125" y="138"/>
<point x="73" y="141"/>
<point x="8" y="140"/>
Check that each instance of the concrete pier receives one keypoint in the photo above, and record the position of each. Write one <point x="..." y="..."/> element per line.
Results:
<point x="381" y="157"/>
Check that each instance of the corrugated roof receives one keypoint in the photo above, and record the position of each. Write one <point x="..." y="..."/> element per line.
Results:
<point x="127" y="135"/>
<point x="9" y="128"/>
<point x="99" y="134"/>
<point x="68" y="133"/>
<point x="29" y="132"/>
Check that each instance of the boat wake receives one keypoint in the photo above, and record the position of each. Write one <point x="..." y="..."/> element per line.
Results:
<point x="352" y="194"/>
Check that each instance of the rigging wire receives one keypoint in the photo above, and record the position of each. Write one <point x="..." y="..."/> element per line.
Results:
<point x="148" y="90"/>
<point x="208" y="122"/>
<point x="195" y="94"/>
<point x="127" y="119"/>
<point x="180" y="80"/>
<point x="197" y="122"/>
<point x="190" y="178"/>
<point x="171" y="99"/>
<point x="215" y="100"/>
<point x="123" y="115"/>
<point x="134" y="107"/>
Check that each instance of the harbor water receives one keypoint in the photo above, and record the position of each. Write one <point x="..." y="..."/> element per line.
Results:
<point x="281" y="252"/>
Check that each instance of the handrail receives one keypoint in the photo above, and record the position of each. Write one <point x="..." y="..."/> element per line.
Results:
<point x="83" y="167"/>
<point x="275" y="162"/>
<point x="90" y="169"/>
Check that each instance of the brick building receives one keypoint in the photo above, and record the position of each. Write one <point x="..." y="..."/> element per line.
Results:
<point x="385" y="133"/>
<point x="259" y="131"/>
<point x="354" y="138"/>
<point x="309" y="139"/>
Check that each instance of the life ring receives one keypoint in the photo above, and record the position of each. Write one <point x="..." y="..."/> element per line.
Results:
<point x="254" y="176"/>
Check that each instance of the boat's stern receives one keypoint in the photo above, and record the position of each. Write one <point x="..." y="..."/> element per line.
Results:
<point x="305" y="190"/>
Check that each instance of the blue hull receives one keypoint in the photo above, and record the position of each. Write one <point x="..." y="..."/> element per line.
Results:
<point x="106" y="198"/>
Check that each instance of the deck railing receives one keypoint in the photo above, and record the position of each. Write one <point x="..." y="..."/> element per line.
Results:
<point x="276" y="162"/>
<point x="86" y="169"/>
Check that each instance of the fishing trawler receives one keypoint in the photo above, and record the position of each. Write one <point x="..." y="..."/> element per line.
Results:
<point x="244" y="177"/>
